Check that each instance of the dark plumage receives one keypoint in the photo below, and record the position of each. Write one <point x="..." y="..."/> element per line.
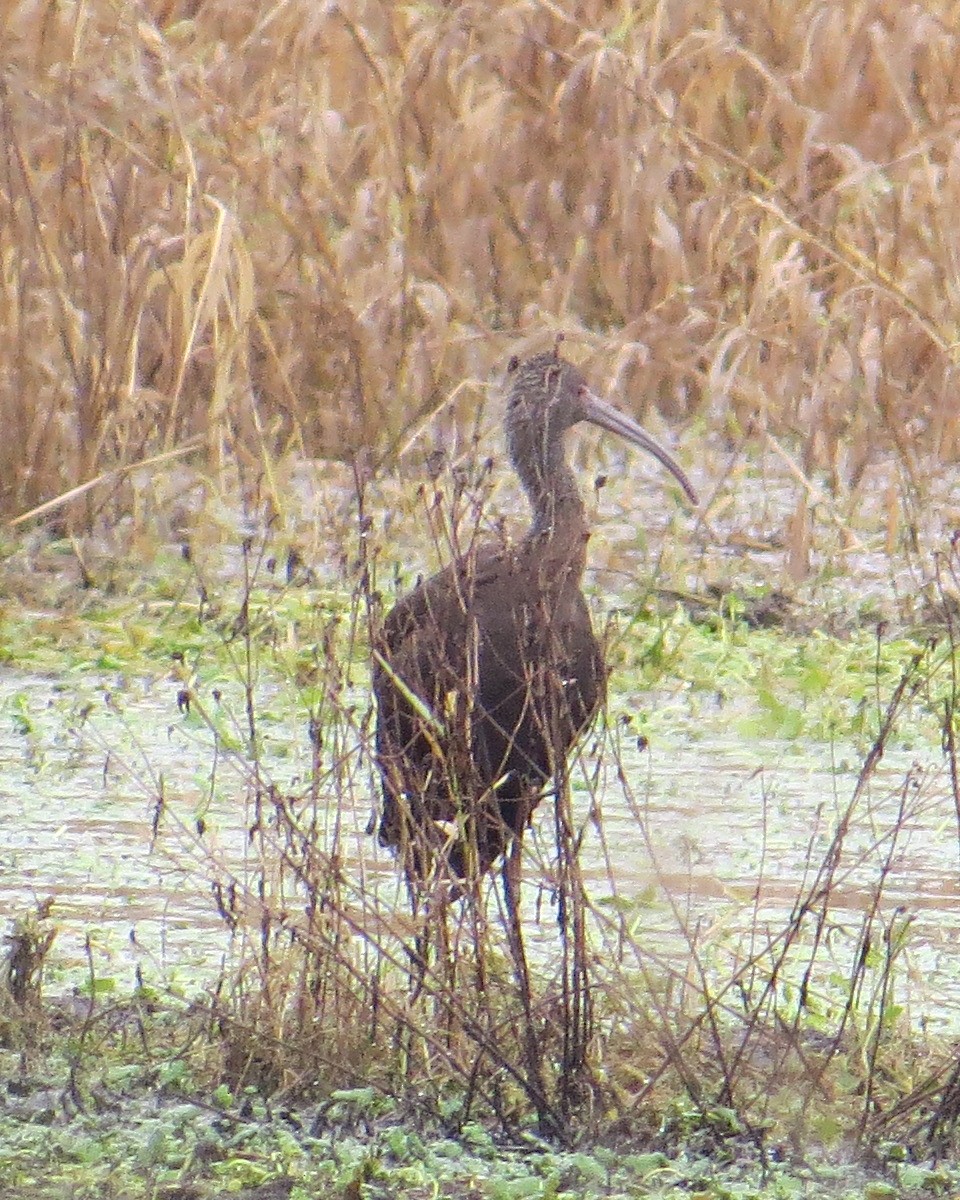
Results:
<point x="485" y="674"/>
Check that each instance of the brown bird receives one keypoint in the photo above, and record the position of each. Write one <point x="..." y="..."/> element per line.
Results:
<point x="486" y="674"/>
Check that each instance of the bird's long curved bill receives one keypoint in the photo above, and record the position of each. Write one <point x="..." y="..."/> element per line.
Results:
<point x="599" y="412"/>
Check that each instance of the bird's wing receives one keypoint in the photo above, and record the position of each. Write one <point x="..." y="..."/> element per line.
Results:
<point x="437" y="608"/>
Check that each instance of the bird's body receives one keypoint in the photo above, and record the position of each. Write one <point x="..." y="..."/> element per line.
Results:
<point x="499" y="647"/>
<point x="486" y="674"/>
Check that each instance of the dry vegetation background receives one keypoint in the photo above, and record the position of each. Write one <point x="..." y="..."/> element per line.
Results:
<point x="302" y="226"/>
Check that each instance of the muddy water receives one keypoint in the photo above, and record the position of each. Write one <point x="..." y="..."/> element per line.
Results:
<point x="710" y="841"/>
<point x="736" y="834"/>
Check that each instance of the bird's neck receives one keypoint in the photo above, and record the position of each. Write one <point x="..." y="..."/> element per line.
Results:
<point x="558" y="533"/>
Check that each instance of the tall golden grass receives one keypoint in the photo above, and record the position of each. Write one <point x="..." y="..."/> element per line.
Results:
<point x="300" y="227"/>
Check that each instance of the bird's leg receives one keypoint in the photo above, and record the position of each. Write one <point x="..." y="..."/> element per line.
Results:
<point x="511" y="894"/>
<point x="534" y="1055"/>
<point x="511" y="891"/>
<point x="419" y="952"/>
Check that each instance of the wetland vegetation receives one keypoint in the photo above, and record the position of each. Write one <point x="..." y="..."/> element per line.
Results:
<point x="260" y="269"/>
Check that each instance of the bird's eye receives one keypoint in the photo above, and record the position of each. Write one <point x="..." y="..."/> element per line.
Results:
<point x="512" y="364"/>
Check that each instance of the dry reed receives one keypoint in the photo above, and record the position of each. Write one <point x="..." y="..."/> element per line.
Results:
<point x="300" y="228"/>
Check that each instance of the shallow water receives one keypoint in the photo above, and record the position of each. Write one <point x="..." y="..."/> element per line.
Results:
<point x="712" y="839"/>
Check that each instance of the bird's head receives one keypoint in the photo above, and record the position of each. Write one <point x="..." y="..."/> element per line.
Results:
<point x="547" y="396"/>
<point x="546" y="392"/>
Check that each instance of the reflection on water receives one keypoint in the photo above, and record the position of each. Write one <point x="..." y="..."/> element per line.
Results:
<point x="713" y="839"/>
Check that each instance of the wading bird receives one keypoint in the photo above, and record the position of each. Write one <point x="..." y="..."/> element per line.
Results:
<point x="486" y="674"/>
